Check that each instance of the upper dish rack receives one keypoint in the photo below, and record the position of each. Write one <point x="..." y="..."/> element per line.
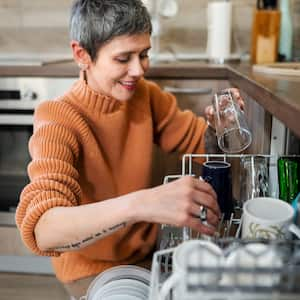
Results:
<point x="171" y="236"/>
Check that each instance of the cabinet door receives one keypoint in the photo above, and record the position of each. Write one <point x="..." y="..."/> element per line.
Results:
<point x="194" y="95"/>
<point x="260" y="124"/>
<point x="191" y="94"/>
<point x="13" y="244"/>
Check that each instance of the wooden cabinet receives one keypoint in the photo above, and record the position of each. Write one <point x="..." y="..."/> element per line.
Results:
<point x="193" y="94"/>
<point x="260" y="124"/>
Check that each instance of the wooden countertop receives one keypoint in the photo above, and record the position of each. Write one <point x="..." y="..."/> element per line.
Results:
<point x="279" y="95"/>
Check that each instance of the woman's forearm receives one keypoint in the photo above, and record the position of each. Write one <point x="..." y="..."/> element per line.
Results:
<point x="72" y="228"/>
<point x="176" y="203"/>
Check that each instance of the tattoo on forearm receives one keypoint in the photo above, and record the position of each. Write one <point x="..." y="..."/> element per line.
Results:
<point x="88" y="240"/>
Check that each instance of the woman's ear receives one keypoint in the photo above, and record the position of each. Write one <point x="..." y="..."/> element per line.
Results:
<point x="80" y="55"/>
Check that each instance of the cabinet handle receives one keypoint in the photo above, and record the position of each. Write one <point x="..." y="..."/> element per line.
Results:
<point x="200" y="91"/>
<point x="16" y="119"/>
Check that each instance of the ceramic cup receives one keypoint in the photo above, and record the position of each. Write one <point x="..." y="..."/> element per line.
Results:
<point x="192" y="253"/>
<point x="250" y="257"/>
<point x="218" y="174"/>
<point x="268" y="218"/>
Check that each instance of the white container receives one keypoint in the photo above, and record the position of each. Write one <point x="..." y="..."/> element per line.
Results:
<point x="219" y="26"/>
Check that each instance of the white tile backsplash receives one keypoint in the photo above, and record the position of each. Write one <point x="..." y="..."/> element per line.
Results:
<point x="35" y="23"/>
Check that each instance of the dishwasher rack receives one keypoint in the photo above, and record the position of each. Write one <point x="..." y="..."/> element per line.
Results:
<point x="287" y="287"/>
<point x="225" y="227"/>
<point x="170" y="236"/>
<point x="228" y="239"/>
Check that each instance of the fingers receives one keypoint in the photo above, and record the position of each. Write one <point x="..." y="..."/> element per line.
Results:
<point x="212" y="218"/>
<point x="181" y="203"/>
<point x="210" y="203"/>
<point x="209" y="114"/>
<point x="201" y="185"/>
<point x="209" y="110"/>
<point x="206" y="195"/>
<point x="236" y="94"/>
<point x="201" y="193"/>
<point x="196" y="225"/>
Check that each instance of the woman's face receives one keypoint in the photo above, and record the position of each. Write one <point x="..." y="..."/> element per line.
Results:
<point x="120" y="64"/>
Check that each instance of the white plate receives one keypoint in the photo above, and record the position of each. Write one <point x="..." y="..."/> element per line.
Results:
<point x="124" y="287"/>
<point x="121" y="297"/>
<point x="117" y="273"/>
<point x="130" y="287"/>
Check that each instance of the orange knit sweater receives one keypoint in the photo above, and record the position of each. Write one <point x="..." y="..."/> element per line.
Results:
<point x="87" y="147"/>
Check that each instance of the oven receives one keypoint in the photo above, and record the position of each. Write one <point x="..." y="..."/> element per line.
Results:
<point x="18" y="98"/>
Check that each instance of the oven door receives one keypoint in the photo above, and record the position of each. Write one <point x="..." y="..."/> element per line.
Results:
<point x="15" y="131"/>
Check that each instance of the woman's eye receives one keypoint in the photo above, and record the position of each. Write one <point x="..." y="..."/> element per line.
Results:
<point x="144" y="55"/>
<point x="123" y="60"/>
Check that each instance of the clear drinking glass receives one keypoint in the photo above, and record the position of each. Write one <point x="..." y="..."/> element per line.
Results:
<point x="254" y="177"/>
<point x="232" y="130"/>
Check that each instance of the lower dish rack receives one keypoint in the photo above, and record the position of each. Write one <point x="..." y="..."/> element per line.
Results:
<point x="256" y="283"/>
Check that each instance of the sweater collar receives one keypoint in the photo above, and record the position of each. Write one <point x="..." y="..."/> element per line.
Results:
<point x="92" y="100"/>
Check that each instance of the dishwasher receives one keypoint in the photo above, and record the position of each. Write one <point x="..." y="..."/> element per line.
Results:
<point x="264" y="280"/>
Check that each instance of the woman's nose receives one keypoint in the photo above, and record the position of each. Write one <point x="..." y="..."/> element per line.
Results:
<point x="136" y="68"/>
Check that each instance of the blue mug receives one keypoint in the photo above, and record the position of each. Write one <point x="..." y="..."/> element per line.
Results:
<point x="218" y="175"/>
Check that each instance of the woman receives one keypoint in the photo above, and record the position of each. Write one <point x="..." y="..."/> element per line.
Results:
<point x="88" y="204"/>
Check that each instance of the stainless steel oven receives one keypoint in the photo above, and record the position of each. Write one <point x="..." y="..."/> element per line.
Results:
<point x="18" y="99"/>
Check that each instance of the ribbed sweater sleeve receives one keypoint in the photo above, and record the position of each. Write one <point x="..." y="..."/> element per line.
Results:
<point x="174" y="129"/>
<point x="54" y="149"/>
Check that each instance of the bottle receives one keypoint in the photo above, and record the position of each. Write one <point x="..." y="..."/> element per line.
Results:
<point x="265" y="33"/>
<point x="286" y="31"/>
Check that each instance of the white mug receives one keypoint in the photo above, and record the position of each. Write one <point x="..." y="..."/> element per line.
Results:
<point x="252" y="256"/>
<point x="194" y="253"/>
<point x="268" y="218"/>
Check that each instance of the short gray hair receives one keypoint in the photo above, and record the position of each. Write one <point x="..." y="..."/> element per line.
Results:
<point x="95" y="22"/>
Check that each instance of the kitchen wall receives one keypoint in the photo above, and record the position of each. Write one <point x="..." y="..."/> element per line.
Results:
<point x="39" y="27"/>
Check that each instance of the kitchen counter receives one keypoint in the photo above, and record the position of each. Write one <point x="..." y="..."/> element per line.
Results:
<point x="279" y="95"/>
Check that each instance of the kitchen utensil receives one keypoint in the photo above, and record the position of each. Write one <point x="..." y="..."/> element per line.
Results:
<point x="265" y="35"/>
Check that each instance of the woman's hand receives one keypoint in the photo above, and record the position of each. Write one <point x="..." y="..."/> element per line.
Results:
<point x="179" y="203"/>
<point x="209" y="110"/>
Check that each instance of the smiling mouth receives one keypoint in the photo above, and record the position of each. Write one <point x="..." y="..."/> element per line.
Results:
<point x="129" y="85"/>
